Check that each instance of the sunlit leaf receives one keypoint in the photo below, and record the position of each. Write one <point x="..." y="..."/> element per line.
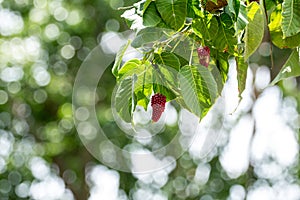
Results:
<point x="277" y="34"/>
<point x="130" y="67"/>
<point x="205" y="28"/>
<point x="124" y="97"/>
<point x="241" y="68"/>
<point x="198" y="88"/>
<point x="254" y="29"/>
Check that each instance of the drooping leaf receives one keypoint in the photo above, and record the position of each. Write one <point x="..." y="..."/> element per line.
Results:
<point x="277" y="34"/>
<point x="123" y="98"/>
<point x="254" y="29"/>
<point x="290" y="69"/>
<point x="151" y="16"/>
<point x="198" y="88"/>
<point x="173" y="12"/>
<point x="167" y="59"/>
<point x="119" y="57"/>
<point x="290" y="17"/>
<point x="225" y="39"/>
<point x="140" y="74"/>
<point x="205" y="28"/>
<point x="221" y="61"/>
<point x="241" y="68"/>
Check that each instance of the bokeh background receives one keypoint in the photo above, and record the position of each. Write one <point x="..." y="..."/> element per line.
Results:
<point x="254" y="151"/>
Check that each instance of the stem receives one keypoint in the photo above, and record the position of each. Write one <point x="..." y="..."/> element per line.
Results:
<point x="269" y="35"/>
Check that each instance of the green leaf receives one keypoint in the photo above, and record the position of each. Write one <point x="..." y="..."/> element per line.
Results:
<point x="165" y="81"/>
<point x="142" y="99"/>
<point x="205" y="28"/>
<point x="221" y="61"/>
<point x="290" y="69"/>
<point x="242" y="18"/>
<point x="198" y="89"/>
<point x="123" y="98"/>
<point x="173" y="12"/>
<point x="241" y="68"/>
<point x="148" y="35"/>
<point x="234" y="7"/>
<point x="290" y="17"/>
<point x="167" y="59"/>
<point x="277" y="34"/>
<point x="192" y="5"/>
<point x="119" y="58"/>
<point x="225" y="39"/>
<point x="129" y="68"/>
<point x="254" y="29"/>
<point x="140" y="88"/>
<point x="146" y="4"/>
<point x="182" y="61"/>
<point x="151" y="16"/>
<point x="288" y="42"/>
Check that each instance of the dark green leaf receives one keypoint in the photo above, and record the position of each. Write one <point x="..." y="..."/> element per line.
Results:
<point x="290" y="18"/>
<point x="167" y="59"/>
<point x="173" y="12"/>
<point x="225" y="39"/>
<point x="151" y="16"/>
<point x="234" y="7"/>
<point x="221" y="61"/>
<point x="242" y="18"/>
